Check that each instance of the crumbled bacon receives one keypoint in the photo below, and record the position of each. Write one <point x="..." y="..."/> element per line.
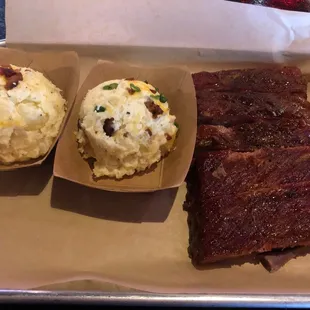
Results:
<point x="108" y="127"/>
<point x="12" y="76"/>
<point x="130" y="91"/>
<point x="153" y="108"/>
<point x="168" y="137"/>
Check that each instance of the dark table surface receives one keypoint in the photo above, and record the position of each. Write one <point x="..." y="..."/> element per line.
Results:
<point x="2" y="20"/>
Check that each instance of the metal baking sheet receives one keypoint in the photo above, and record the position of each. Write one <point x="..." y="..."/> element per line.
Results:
<point x="144" y="299"/>
<point x="147" y="299"/>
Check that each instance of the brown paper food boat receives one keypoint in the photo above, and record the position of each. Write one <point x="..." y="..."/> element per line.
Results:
<point x="62" y="68"/>
<point x="177" y="85"/>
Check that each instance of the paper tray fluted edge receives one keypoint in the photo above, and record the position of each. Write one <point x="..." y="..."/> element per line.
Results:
<point x="146" y="299"/>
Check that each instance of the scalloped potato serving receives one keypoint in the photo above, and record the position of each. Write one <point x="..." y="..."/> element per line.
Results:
<point x="31" y="112"/>
<point x="126" y="126"/>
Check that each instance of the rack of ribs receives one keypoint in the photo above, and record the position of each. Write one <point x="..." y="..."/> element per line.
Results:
<point x="235" y="172"/>
<point x="258" y="221"/>
<point x="252" y="136"/>
<point x="262" y="80"/>
<point x="249" y="184"/>
<point x="229" y="109"/>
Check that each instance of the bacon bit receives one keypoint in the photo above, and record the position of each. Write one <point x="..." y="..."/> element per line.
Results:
<point x="130" y="79"/>
<point x="153" y="108"/>
<point x="130" y="91"/>
<point x="7" y="71"/>
<point x="149" y="131"/>
<point x="168" y="137"/>
<point x="13" y="81"/>
<point x="126" y="134"/>
<point x="108" y="126"/>
<point x="153" y="91"/>
<point x="12" y="77"/>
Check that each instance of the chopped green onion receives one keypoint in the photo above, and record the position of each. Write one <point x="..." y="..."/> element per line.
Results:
<point x="110" y="86"/>
<point x="176" y="125"/>
<point x="99" y="108"/>
<point x="134" y="87"/>
<point x="162" y="98"/>
<point x="156" y="97"/>
<point x="146" y="82"/>
<point x="157" y="89"/>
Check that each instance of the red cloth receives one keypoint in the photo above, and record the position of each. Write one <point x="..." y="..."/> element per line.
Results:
<point x="292" y="5"/>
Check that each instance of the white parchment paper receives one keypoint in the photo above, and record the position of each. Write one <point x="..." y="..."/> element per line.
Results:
<point x="211" y="24"/>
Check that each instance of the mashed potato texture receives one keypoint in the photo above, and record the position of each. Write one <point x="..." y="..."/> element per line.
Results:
<point x="125" y="125"/>
<point x="31" y="112"/>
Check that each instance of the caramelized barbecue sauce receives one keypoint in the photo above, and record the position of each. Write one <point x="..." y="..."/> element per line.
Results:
<point x="12" y="76"/>
<point x="234" y="225"/>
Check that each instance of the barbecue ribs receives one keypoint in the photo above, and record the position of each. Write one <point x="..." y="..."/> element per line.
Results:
<point x="235" y="225"/>
<point x="249" y="184"/>
<point x="265" y="80"/>
<point x="229" y="109"/>
<point x="234" y="172"/>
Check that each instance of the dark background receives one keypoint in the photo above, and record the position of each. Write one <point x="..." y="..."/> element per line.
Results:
<point x="291" y="5"/>
<point x="2" y="22"/>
